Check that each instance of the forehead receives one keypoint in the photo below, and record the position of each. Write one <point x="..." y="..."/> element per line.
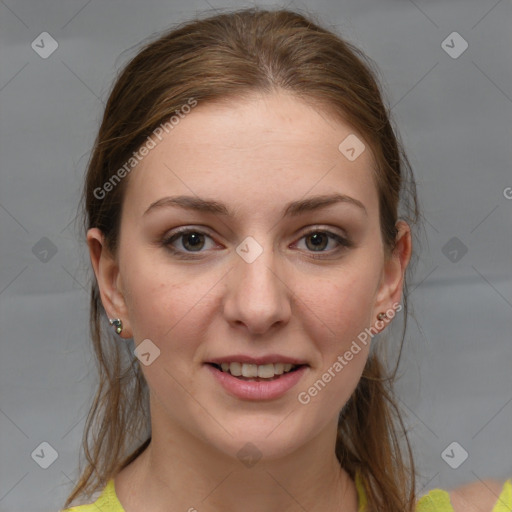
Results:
<point x="265" y="148"/>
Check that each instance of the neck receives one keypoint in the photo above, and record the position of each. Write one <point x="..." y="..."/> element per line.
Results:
<point x="178" y="471"/>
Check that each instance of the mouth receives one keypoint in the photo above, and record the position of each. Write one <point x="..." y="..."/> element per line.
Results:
<point x="247" y="381"/>
<point x="257" y="373"/>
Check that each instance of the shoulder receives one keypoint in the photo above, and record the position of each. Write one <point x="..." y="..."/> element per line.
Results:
<point x="481" y="496"/>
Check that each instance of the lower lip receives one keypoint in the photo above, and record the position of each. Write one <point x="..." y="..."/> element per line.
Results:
<point x="257" y="390"/>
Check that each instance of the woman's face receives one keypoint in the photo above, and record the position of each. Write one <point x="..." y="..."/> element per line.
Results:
<point x="267" y="275"/>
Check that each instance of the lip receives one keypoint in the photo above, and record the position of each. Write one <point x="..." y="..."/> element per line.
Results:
<point x="253" y="390"/>
<point x="269" y="358"/>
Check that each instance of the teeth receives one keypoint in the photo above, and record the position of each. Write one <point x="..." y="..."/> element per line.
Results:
<point x="265" y="371"/>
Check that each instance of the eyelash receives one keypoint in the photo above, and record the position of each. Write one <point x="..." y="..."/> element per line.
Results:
<point x="343" y="242"/>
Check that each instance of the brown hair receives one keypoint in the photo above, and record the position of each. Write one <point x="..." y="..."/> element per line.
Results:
<point x="231" y="55"/>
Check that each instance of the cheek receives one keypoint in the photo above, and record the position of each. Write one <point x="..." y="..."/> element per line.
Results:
<point x="145" y="293"/>
<point x="340" y="306"/>
<point x="158" y="306"/>
<point x="165" y="303"/>
<point x="336" y="313"/>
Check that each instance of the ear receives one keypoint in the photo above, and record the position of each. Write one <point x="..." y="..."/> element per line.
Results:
<point x="393" y="274"/>
<point x="106" y="269"/>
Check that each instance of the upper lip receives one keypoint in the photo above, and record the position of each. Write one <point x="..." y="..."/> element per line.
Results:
<point x="270" y="358"/>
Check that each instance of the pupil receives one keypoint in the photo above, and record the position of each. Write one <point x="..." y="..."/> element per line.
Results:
<point x="317" y="239"/>
<point x="195" y="237"/>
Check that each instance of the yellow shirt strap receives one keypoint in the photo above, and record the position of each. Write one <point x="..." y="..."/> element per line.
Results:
<point x="436" y="500"/>
<point x="106" y="502"/>
<point x="504" y="503"/>
<point x="361" y="495"/>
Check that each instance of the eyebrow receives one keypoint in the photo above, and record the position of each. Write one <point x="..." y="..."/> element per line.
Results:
<point x="292" y="209"/>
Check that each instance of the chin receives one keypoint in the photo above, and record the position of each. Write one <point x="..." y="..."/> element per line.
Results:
<point x="252" y="444"/>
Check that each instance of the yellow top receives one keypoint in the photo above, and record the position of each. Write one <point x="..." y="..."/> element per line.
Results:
<point x="436" y="500"/>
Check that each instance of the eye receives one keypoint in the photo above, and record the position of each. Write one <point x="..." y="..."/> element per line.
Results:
<point x="318" y="240"/>
<point x="192" y="240"/>
<point x="186" y="241"/>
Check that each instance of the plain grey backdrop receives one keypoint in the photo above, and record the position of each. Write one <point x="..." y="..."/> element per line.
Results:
<point x="453" y="107"/>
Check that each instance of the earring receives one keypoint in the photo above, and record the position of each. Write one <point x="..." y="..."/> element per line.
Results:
<point x="116" y="322"/>
<point x="381" y="316"/>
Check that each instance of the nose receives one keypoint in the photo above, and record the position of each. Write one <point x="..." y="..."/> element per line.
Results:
<point x="257" y="296"/>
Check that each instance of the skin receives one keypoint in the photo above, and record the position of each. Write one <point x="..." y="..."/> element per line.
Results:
<point x="254" y="155"/>
<point x="476" y="496"/>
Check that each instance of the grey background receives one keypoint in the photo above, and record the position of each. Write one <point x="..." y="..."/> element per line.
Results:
<point x="454" y="115"/>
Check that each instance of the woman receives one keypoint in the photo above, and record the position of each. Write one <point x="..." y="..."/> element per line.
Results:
<point x="242" y="215"/>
